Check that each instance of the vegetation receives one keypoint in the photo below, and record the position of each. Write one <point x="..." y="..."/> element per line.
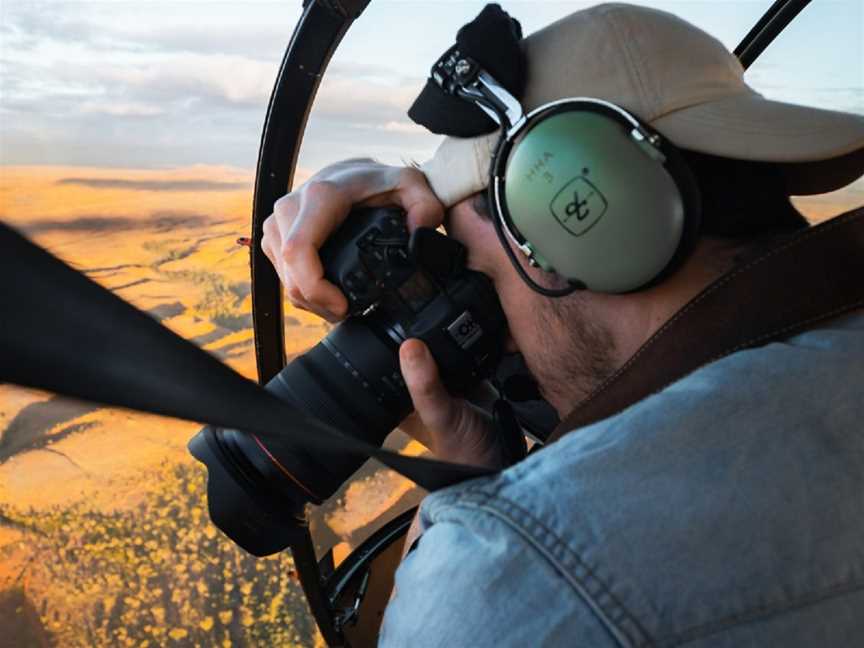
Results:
<point x="158" y="575"/>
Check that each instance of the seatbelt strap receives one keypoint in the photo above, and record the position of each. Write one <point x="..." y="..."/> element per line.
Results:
<point x="816" y="275"/>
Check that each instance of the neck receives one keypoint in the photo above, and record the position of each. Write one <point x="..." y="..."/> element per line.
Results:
<point x="633" y="318"/>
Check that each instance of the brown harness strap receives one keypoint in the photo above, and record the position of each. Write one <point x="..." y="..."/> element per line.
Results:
<point x="816" y="275"/>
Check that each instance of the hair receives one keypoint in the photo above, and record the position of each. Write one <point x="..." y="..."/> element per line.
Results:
<point x="745" y="204"/>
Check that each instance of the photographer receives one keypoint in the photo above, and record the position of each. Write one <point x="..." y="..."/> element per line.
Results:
<point x="727" y="509"/>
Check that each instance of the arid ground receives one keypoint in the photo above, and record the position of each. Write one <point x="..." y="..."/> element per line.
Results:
<point x="104" y="534"/>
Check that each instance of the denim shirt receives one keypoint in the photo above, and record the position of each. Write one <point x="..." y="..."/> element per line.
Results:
<point x="725" y="510"/>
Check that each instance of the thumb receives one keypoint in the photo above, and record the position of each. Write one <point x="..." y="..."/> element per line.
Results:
<point x="437" y="409"/>
<point x="421" y="205"/>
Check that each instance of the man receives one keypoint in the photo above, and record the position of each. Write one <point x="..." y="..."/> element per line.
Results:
<point x="727" y="509"/>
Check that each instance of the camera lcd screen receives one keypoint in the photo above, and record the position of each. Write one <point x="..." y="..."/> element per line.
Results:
<point x="417" y="291"/>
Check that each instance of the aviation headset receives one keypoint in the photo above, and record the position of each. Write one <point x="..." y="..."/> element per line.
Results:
<point x="582" y="187"/>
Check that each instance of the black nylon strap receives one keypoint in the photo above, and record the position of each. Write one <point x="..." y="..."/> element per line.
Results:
<point x="62" y="332"/>
<point x="315" y="38"/>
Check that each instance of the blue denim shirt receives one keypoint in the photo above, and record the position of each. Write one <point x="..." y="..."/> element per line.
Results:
<point x="725" y="510"/>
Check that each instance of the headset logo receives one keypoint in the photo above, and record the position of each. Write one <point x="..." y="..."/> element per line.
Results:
<point x="579" y="205"/>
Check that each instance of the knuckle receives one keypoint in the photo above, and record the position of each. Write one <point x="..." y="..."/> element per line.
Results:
<point x="290" y="247"/>
<point x="268" y="224"/>
<point x="294" y="294"/>
<point x="285" y="203"/>
<point x="270" y="228"/>
<point x="411" y="177"/>
<point x="318" y="189"/>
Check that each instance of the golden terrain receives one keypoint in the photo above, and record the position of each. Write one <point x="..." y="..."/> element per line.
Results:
<point x="104" y="534"/>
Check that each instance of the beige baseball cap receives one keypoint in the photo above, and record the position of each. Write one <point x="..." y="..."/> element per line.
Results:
<point x="677" y="78"/>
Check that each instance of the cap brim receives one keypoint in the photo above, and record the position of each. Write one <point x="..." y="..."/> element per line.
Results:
<point x="808" y="141"/>
<point x="749" y="127"/>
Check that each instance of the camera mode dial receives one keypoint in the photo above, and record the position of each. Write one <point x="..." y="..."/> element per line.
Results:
<point x="368" y="256"/>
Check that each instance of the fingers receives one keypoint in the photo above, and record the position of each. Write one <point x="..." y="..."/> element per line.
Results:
<point x="412" y="193"/>
<point x="453" y="429"/>
<point x="308" y="285"/>
<point x="437" y="409"/>
<point x="299" y="226"/>
<point x="303" y="220"/>
<point x="422" y="207"/>
<point x="271" y="246"/>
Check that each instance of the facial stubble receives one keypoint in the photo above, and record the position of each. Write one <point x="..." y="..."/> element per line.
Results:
<point x="575" y="351"/>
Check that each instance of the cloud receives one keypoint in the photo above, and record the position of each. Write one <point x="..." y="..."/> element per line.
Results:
<point x="97" y="84"/>
<point x="157" y="220"/>
<point x="257" y="30"/>
<point x="123" y="109"/>
<point x="153" y="185"/>
<point x="403" y="127"/>
<point x="358" y="101"/>
<point x="231" y="79"/>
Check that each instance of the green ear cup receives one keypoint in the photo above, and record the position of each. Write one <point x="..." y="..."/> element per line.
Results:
<point x="593" y="204"/>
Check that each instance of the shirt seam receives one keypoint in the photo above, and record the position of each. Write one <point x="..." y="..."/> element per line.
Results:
<point x="633" y="69"/>
<point x="612" y="614"/>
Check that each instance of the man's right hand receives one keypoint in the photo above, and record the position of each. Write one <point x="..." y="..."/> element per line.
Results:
<point x="303" y="220"/>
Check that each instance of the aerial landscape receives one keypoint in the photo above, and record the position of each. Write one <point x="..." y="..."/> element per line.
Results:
<point x="104" y="532"/>
<point x="129" y="134"/>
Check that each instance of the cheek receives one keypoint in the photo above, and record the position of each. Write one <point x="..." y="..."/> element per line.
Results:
<point x="484" y="252"/>
<point x="522" y="309"/>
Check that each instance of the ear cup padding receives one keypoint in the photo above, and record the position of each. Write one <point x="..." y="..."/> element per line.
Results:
<point x="592" y="202"/>
<point x="688" y="187"/>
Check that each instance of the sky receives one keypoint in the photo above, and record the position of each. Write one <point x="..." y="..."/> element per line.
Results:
<point x="167" y="84"/>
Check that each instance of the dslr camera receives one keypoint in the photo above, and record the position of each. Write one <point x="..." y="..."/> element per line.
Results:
<point x="399" y="286"/>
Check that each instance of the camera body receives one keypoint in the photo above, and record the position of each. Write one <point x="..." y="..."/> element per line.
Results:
<point x="417" y="286"/>
<point x="399" y="286"/>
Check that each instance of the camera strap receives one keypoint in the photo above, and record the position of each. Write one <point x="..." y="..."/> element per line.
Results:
<point x="814" y="276"/>
<point x="62" y="332"/>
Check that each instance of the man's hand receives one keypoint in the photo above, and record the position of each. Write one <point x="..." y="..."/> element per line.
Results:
<point x="303" y="219"/>
<point x="454" y="429"/>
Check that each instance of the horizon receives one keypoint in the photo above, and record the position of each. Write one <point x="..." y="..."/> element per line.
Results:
<point x="128" y="140"/>
<point x="186" y="83"/>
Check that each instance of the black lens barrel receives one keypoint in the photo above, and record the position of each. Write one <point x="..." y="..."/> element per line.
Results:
<point x="351" y="380"/>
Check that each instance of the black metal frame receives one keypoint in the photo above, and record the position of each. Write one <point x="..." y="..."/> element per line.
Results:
<point x="767" y="28"/>
<point x="316" y="36"/>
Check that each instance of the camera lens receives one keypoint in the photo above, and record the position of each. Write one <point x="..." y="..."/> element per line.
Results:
<point x="258" y="488"/>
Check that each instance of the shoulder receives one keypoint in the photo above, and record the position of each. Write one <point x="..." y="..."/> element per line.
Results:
<point x="689" y="510"/>
<point x="472" y="580"/>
